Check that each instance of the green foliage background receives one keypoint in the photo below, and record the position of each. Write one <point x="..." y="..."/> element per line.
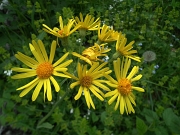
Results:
<point x="153" y="24"/>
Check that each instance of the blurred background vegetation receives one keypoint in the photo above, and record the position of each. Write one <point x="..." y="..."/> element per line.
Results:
<point x="153" y="24"/>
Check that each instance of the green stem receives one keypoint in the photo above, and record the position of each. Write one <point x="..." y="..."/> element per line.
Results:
<point x="156" y="84"/>
<point x="51" y="111"/>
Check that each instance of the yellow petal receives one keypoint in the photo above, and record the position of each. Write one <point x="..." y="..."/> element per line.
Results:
<point x="97" y="90"/>
<point x="61" y="23"/>
<point x="133" y="72"/>
<point x="84" y="71"/>
<point x="100" y="85"/>
<point x="24" y="75"/>
<point x="136" y="78"/>
<point x="131" y="99"/>
<point x="136" y="58"/>
<point x="43" y="50"/>
<point x="93" y="67"/>
<point x="65" y="64"/>
<point x="29" y="84"/>
<point x="100" y="66"/>
<point x="86" y="94"/>
<point x="74" y="84"/>
<point x="117" y="103"/>
<point x="49" y="92"/>
<point x="52" y="53"/>
<point x="112" y="85"/>
<point x="96" y="94"/>
<point x="126" y="67"/>
<point x="38" y="50"/>
<point x="111" y="93"/>
<point x="122" y="105"/>
<point x="27" y="89"/>
<point x="17" y="69"/>
<point x="60" y="60"/>
<point x="79" y="93"/>
<point x="45" y="88"/>
<point x="60" y="74"/>
<point x="22" y="59"/>
<point x="72" y="76"/>
<point x="56" y="85"/>
<point x="60" y="69"/>
<point x="129" y="105"/>
<point x="91" y="102"/>
<point x="110" y="79"/>
<point x="37" y="90"/>
<point x="79" y="70"/>
<point x="29" y="59"/>
<point x="35" y="53"/>
<point x="138" y="89"/>
<point x="113" y="98"/>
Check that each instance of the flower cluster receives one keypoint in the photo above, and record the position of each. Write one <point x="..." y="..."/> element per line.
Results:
<point x="93" y="75"/>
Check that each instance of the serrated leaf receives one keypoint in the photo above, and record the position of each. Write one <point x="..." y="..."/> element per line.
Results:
<point x="46" y="125"/>
<point x="141" y="126"/>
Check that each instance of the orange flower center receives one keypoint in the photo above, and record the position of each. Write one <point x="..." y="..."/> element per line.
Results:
<point x="86" y="81"/>
<point x="124" y="86"/>
<point x="44" y="70"/>
<point x="60" y="32"/>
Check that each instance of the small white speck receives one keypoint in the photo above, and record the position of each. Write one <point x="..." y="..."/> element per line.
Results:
<point x="78" y="40"/>
<point x="105" y="59"/>
<point x="131" y="10"/>
<point x="140" y="44"/>
<point x="72" y="110"/>
<point x="156" y="66"/>
<point x="110" y="7"/>
<point x="89" y="112"/>
<point x="8" y="72"/>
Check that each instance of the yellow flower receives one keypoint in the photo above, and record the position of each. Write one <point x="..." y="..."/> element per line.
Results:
<point x="42" y="68"/>
<point x="89" y="81"/>
<point x="105" y="34"/>
<point x="64" y="31"/>
<point x="123" y="87"/>
<point x="123" y="50"/>
<point x="88" y="23"/>
<point x="91" y="54"/>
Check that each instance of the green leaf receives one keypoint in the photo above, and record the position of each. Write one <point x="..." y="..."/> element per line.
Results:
<point x="172" y="120"/>
<point x="46" y="125"/>
<point x="3" y="18"/>
<point x="150" y="115"/>
<point x="141" y="126"/>
<point x="161" y="131"/>
<point x="94" y="117"/>
<point x="103" y="117"/>
<point x="41" y="35"/>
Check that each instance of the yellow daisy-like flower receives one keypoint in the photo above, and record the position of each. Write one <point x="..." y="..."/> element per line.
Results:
<point x="64" y="31"/>
<point x="88" y="23"/>
<point x="42" y="68"/>
<point x="123" y="91"/>
<point x="105" y="34"/>
<point x="125" y="50"/>
<point x="91" y="54"/>
<point x="89" y="81"/>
